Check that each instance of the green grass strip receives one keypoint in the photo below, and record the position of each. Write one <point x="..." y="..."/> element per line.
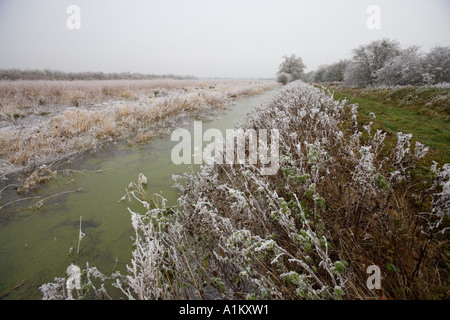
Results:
<point x="433" y="131"/>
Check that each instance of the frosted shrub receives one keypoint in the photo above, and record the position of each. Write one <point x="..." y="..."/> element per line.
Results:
<point x="92" y="287"/>
<point x="339" y="196"/>
<point x="284" y="78"/>
<point x="437" y="219"/>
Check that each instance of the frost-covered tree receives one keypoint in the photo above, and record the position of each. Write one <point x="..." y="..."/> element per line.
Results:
<point x="307" y="77"/>
<point x="368" y="59"/>
<point x="437" y="64"/>
<point x="403" y="69"/>
<point x="319" y="75"/>
<point x="335" y="72"/>
<point x="293" y="66"/>
<point x="354" y="75"/>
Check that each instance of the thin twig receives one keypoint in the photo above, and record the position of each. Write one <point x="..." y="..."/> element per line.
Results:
<point x="9" y="185"/>
<point x="52" y="196"/>
<point x="17" y="200"/>
<point x="80" y="236"/>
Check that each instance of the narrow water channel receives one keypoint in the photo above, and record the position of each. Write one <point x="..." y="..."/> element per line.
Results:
<point x="35" y="243"/>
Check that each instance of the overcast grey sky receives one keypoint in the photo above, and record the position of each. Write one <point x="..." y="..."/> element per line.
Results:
<point x="206" y="38"/>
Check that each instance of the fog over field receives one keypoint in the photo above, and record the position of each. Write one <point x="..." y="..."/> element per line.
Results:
<point x="206" y="38"/>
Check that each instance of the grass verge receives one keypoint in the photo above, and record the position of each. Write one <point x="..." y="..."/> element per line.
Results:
<point x="422" y="111"/>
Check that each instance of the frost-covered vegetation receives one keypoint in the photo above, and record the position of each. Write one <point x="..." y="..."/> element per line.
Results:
<point x="43" y="121"/>
<point x="342" y="200"/>
<point x="385" y="63"/>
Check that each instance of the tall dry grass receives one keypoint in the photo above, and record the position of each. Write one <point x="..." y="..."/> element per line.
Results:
<point x="41" y="121"/>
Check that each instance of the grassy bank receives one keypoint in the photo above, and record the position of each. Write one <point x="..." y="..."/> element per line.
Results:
<point x="422" y="111"/>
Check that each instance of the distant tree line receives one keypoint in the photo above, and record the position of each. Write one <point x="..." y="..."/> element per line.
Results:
<point x="385" y="62"/>
<point x="17" y="74"/>
<point x="380" y="63"/>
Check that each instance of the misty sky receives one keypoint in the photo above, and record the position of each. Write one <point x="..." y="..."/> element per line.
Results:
<point x="206" y="38"/>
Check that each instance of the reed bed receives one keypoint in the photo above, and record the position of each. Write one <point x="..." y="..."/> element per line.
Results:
<point x="42" y="121"/>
